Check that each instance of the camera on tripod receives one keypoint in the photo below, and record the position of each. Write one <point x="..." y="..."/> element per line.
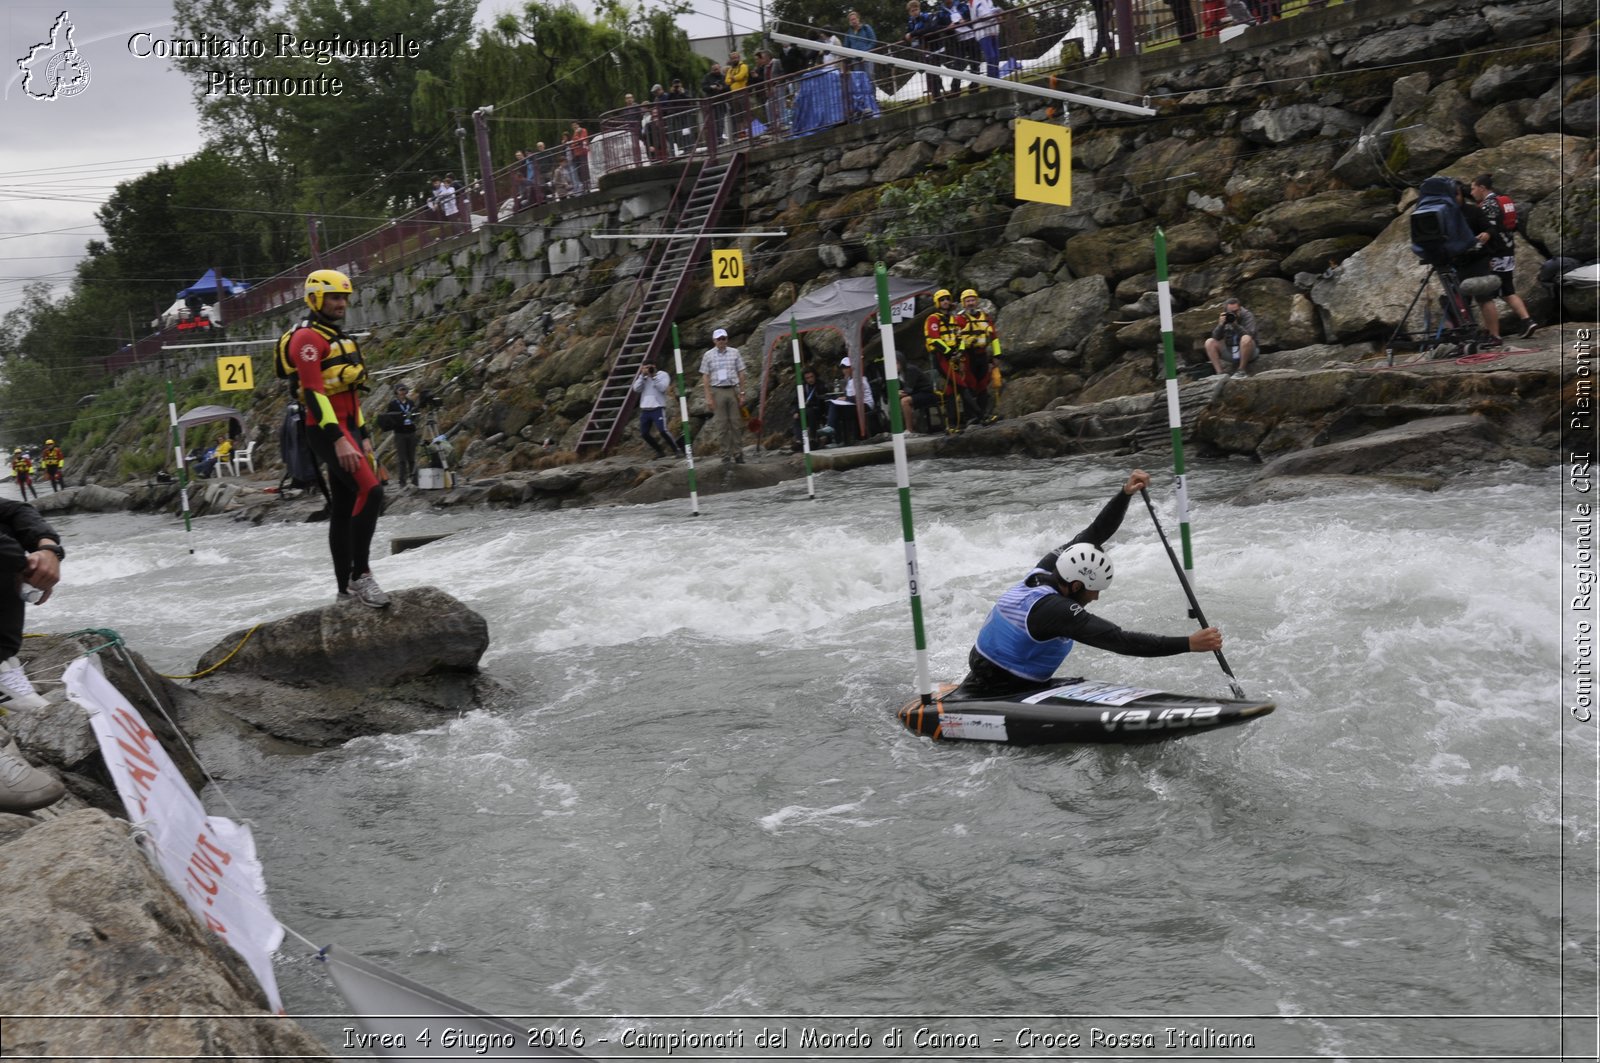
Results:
<point x="429" y="401"/>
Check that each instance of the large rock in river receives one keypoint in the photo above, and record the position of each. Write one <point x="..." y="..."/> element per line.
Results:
<point x="327" y="675"/>
<point x="91" y="929"/>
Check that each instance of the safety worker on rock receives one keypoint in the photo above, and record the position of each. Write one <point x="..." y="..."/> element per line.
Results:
<point x="53" y="461"/>
<point x="22" y="469"/>
<point x="1034" y="625"/>
<point x="328" y="372"/>
<point x="942" y="340"/>
<point x="980" y="349"/>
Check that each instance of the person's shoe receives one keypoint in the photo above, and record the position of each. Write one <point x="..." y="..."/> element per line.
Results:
<point x="344" y="598"/>
<point x="738" y="459"/>
<point x="1530" y="326"/>
<point x="15" y="690"/>
<point x="368" y="593"/>
<point x="24" y="787"/>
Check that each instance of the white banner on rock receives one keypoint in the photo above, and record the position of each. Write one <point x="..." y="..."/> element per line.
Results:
<point x="211" y="861"/>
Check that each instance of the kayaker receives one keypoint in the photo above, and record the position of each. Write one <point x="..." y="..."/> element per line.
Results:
<point x="1035" y="624"/>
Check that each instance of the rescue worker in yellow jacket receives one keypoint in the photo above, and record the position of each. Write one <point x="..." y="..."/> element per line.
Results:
<point x="980" y="347"/>
<point x="53" y="461"/>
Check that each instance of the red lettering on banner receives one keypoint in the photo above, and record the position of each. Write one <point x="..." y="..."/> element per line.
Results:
<point x="134" y="729"/>
<point x="141" y="737"/>
<point x="211" y="888"/>
<point x="222" y="854"/>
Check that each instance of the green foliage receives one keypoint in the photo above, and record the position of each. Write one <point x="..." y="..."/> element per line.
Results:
<point x="357" y="157"/>
<point x="133" y="463"/>
<point x="564" y="67"/>
<point x="933" y="212"/>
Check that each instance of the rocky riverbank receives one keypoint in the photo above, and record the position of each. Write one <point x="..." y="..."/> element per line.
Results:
<point x="91" y="927"/>
<point x="1296" y="405"/>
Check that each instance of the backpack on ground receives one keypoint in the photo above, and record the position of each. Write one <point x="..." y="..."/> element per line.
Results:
<point x="1439" y="230"/>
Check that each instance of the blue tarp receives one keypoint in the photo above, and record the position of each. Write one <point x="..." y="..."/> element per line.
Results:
<point x="207" y="285"/>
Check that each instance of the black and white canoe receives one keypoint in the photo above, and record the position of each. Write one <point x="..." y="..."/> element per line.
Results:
<point x="1077" y="710"/>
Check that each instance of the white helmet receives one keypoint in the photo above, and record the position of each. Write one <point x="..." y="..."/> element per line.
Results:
<point x="1086" y="564"/>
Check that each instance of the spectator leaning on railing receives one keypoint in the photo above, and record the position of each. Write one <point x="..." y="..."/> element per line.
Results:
<point x="862" y="37"/>
<point x="925" y="31"/>
<point x="736" y="75"/>
<point x="762" y="94"/>
<point x="986" y="26"/>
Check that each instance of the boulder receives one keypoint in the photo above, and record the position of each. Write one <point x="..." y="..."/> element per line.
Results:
<point x="1049" y="222"/>
<point x="326" y="675"/>
<point x="1448" y="36"/>
<point x="1315" y="256"/>
<point x="1058" y="316"/>
<point x="1265" y="179"/>
<point x="1298" y="121"/>
<point x="92" y="929"/>
<point x="1502" y="83"/>
<point x="1339" y="212"/>
<point x="1371" y="289"/>
<point x="1443" y="132"/>
<point x="1128" y="249"/>
<point x="905" y="161"/>
<point x="1416" y="446"/>
<point x="994" y="267"/>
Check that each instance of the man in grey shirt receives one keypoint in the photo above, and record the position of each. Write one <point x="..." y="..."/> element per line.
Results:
<point x="722" y="375"/>
<point x="1234" y="335"/>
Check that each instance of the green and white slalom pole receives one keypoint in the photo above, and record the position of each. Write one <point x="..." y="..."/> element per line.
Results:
<point x="683" y="416"/>
<point x="902" y="479"/>
<point x="800" y="399"/>
<point x="183" y="468"/>
<point x="1174" y="411"/>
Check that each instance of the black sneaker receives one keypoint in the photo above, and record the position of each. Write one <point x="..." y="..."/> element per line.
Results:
<point x="1530" y="326"/>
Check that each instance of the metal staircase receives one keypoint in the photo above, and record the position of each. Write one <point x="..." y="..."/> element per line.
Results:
<point x="656" y="300"/>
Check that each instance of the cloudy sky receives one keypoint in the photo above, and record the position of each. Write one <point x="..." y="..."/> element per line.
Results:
<point x="60" y="159"/>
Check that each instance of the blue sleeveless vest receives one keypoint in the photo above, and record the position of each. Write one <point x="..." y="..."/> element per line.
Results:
<point x="1004" y="637"/>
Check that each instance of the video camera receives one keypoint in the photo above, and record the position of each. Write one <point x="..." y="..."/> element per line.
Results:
<point x="429" y="401"/>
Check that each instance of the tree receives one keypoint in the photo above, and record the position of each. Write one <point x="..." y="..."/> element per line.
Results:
<point x="357" y="157"/>
<point x="550" y="65"/>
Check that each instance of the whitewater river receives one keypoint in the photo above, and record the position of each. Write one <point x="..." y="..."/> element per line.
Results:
<point x="695" y="807"/>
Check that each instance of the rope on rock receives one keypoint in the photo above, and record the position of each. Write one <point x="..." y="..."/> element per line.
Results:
<point x="219" y="664"/>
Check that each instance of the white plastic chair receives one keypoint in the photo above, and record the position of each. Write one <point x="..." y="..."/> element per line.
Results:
<point x="223" y="468"/>
<point x="244" y="460"/>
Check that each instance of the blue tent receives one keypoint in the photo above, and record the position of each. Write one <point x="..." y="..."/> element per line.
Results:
<point x="208" y="284"/>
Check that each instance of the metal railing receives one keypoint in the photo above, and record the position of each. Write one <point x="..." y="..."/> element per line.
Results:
<point x="1034" y="40"/>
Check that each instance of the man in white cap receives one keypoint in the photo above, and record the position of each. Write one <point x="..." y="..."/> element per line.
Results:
<point x="843" y="410"/>
<point x="722" y="375"/>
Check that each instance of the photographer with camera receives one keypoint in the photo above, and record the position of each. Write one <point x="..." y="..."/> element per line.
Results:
<point x="401" y="418"/>
<point x="1236" y="334"/>
<point x="654" y="387"/>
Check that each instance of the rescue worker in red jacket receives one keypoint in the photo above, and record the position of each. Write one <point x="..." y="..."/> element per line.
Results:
<point x="22" y="469"/>
<point x="330" y="372"/>
<point x="941" y="339"/>
<point x="980" y="347"/>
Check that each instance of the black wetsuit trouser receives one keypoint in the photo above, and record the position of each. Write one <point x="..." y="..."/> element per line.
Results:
<point x="349" y="533"/>
<point x="13" y="559"/>
<point x="985" y="679"/>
